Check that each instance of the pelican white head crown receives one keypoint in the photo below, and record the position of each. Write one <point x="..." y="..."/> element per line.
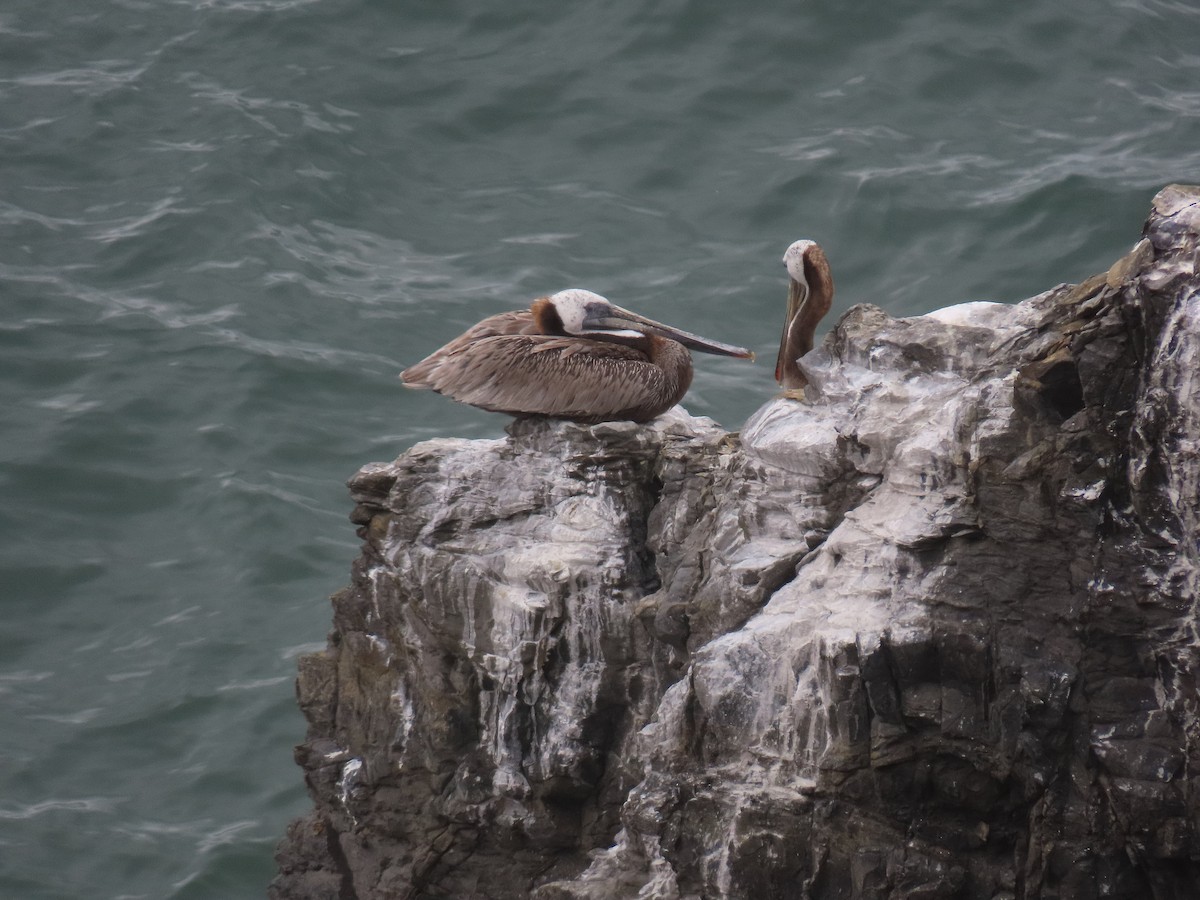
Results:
<point x="793" y="258"/>
<point x="575" y="307"/>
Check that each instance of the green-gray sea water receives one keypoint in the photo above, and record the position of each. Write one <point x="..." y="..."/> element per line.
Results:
<point x="226" y="225"/>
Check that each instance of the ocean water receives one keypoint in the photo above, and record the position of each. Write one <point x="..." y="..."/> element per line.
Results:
<point x="226" y="225"/>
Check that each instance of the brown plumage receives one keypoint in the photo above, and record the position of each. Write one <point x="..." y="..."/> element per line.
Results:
<point x="572" y="356"/>
<point x="810" y="294"/>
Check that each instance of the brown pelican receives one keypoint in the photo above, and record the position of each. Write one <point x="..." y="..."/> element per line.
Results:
<point x="810" y="294"/>
<point x="572" y="356"/>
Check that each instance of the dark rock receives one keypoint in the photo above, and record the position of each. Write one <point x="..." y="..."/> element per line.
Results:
<point x="931" y="633"/>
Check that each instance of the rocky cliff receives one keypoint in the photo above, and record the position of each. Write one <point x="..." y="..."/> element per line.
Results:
<point x="929" y="633"/>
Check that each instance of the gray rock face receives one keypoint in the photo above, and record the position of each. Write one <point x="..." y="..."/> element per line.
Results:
<point x="931" y="633"/>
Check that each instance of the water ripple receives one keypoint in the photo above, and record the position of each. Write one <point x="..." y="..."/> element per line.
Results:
<point x="1183" y="103"/>
<point x="256" y="109"/>
<point x="11" y="214"/>
<point x="42" y="807"/>
<point x="96" y="80"/>
<point x="140" y="223"/>
<point x="245" y="5"/>
<point x="304" y="351"/>
<point x="830" y="142"/>
<point x="366" y="268"/>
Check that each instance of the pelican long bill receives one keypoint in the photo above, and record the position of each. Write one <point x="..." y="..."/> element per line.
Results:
<point x="797" y="298"/>
<point x="619" y="319"/>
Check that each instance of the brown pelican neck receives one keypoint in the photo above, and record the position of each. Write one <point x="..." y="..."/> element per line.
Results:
<point x="675" y="362"/>
<point x="545" y="317"/>
<point x="810" y="295"/>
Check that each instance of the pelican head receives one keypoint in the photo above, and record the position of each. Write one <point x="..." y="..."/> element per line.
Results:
<point x="585" y="314"/>
<point x="810" y="294"/>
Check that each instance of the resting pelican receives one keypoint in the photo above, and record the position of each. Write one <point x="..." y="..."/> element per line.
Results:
<point x="573" y="356"/>
<point x="810" y="294"/>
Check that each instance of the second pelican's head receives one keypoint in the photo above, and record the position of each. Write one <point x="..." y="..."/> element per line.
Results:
<point x="810" y="294"/>
<point x="581" y="313"/>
